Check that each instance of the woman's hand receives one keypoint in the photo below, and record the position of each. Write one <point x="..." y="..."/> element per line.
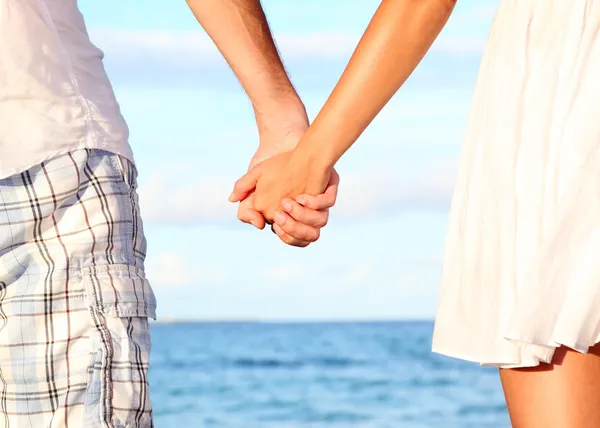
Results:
<point x="313" y="210"/>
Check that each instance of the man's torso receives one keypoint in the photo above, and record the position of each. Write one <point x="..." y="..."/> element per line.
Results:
<point x="54" y="93"/>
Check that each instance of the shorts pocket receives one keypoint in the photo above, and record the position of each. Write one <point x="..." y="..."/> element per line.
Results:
<point x="120" y="301"/>
<point x="119" y="290"/>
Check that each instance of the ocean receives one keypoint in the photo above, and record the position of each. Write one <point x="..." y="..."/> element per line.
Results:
<point x="317" y="375"/>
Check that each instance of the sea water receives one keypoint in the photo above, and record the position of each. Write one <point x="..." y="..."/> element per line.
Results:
<point x="317" y="375"/>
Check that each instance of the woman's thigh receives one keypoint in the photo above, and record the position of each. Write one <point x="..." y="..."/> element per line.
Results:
<point x="564" y="394"/>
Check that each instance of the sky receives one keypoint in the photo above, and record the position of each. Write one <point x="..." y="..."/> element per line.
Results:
<point x="193" y="134"/>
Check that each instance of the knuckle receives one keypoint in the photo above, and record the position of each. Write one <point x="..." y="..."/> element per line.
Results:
<point x="322" y="221"/>
<point x="315" y="235"/>
<point x="242" y="215"/>
<point x="290" y="227"/>
<point x="287" y="239"/>
<point x="296" y="210"/>
<point x="311" y="204"/>
<point x="258" y="203"/>
<point x="268" y="216"/>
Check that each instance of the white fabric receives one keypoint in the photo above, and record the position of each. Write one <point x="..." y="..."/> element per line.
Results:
<point x="521" y="271"/>
<point x="55" y="96"/>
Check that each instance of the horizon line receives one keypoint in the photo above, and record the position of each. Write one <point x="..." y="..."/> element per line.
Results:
<point x="173" y="320"/>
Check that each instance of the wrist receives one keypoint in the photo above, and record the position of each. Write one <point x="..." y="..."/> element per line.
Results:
<point x="325" y="141"/>
<point x="310" y="152"/>
<point x="281" y="116"/>
<point x="280" y="129"/>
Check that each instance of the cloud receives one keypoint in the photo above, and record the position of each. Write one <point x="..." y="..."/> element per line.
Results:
<point x="315" y="60"/>
<point x="460" y="45"/>
<point x="348" y="274"/>
<point x="172" y="269"/>
<point x="329" y="289"/>
<point x="196" y="45"/>
<point x="483" y="12"/>
<point x="379" y="193"/>
<point x="467" y="30"/>
<point x="178" y="200"/>
<point x="189" y="47"/>
<point x="312" y="290"/>
<point x="189" y="59"/>
<point x="154" y="57"/>
<point x="175" y="199"/>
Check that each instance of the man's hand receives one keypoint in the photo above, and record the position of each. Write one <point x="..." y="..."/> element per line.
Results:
<point x="298" y="224"/>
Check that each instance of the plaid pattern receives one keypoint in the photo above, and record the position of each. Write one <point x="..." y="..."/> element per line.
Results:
<point x="74" y="301"/>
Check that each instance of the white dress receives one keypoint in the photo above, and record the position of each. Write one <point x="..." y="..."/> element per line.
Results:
<point x="521" y="272"/>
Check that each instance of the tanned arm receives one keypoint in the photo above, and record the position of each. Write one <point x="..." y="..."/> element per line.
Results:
<point x="396" y="40"/>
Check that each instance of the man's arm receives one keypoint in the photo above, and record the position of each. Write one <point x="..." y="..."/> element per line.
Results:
<point x="241" y="32"/>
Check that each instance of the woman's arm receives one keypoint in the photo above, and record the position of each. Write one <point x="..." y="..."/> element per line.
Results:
<point x="396" y="40"/>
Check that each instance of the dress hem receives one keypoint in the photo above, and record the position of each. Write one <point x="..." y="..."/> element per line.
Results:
<point x="534" y="362"/>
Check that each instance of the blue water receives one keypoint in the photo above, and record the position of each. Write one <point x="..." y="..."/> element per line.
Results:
<point x="375" y="375"/>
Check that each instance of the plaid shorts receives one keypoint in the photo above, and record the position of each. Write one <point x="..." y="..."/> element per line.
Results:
<point x="74" y="300"/>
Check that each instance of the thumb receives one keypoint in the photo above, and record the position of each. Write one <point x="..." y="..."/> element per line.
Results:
<point x="245" y="185"/>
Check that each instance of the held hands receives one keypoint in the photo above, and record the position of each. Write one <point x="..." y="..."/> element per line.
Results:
<point x="299" y="221"/>
<point x="281" y="188"/>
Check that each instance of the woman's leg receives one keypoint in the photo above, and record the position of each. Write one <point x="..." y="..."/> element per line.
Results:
<point x="564" y="394"/>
